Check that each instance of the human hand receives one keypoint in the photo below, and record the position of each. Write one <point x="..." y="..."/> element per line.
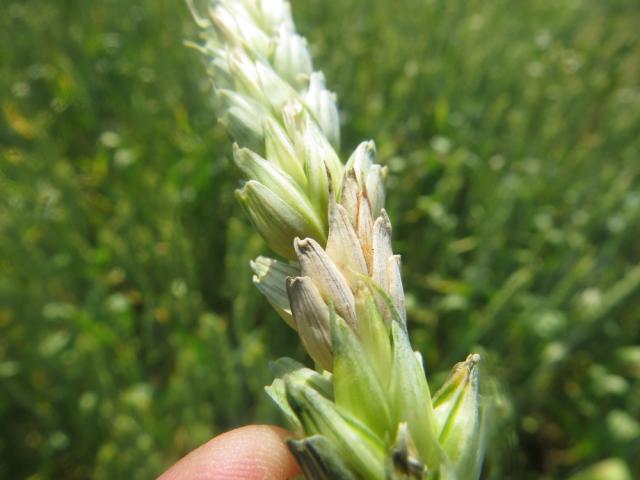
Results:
<point x="254" y="452"/>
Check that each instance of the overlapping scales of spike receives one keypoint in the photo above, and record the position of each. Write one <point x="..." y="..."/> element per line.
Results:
<point x="366" y="411"/>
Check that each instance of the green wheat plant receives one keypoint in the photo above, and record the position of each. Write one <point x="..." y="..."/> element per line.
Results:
<point x="365" y="410"/>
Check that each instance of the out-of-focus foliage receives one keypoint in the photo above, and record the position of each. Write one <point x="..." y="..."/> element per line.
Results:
<point x="129" y="328"/>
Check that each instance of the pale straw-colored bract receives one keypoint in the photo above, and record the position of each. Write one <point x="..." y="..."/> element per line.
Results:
<point x="365" y="411"/>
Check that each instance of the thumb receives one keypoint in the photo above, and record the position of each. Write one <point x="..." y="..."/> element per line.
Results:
<point x="254" y="452"/>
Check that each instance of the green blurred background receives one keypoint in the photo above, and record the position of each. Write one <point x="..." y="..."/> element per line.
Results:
<point x="129" y="328"/>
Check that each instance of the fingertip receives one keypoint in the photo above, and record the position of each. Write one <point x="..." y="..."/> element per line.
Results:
<point x="254" y="452"/>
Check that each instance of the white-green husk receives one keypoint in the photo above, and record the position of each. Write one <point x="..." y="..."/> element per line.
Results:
<point x="366" y="411"/>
